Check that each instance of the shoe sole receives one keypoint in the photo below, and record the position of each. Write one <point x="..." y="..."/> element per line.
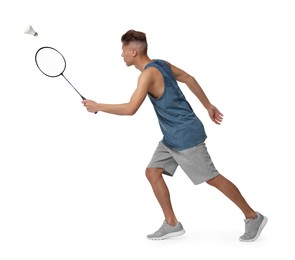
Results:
<point x="169" y="235"/>
<point x="262" y="225"/>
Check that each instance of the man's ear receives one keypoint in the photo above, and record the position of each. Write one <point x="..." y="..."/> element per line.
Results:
<point x="134" y="52"/>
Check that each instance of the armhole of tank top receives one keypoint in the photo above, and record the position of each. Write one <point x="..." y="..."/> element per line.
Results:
<point x="163" y="77"/>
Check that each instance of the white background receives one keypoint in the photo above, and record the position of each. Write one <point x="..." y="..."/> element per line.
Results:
<point x="72" y="184"/>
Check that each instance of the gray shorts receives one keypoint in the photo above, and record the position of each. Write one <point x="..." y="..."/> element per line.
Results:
<point x="195" y="162"/>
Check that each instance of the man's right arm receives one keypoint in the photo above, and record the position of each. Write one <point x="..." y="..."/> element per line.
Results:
<point x="182" y="76"/>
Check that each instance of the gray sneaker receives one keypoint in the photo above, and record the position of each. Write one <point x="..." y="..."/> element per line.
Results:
<point x="167" y="231"/>
<point x="253" y="228"/>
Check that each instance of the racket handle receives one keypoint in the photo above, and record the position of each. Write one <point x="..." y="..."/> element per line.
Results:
<point x="84" y="99"/>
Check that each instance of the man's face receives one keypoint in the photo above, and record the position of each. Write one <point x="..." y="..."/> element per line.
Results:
<point x="127" y="54"/>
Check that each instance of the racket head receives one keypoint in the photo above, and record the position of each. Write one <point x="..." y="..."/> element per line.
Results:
<point x="50" y="61"/>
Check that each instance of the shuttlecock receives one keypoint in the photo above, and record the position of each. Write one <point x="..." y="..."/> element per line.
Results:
<point x="31" y="31"/>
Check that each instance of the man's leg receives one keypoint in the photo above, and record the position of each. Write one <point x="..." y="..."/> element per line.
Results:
<point x="232" y="192"/>
<point x="170" y="227"/>
<point x="254" y="222"/>
<point x="155" y="177"/>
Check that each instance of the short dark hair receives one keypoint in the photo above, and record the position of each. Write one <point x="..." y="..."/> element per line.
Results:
<point x="134" y="36"/>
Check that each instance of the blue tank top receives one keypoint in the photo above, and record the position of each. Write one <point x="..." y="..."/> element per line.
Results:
<point x="180" y="126"/>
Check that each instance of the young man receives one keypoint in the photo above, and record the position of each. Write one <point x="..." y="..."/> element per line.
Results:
<point x="183" y="134"/>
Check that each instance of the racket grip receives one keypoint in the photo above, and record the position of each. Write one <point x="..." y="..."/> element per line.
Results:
<point x="84" y="99"/>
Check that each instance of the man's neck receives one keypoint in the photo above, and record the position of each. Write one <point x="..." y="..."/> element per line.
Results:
<point x="142" y="62"/>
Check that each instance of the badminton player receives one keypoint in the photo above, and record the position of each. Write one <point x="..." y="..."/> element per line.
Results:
<point x="184" y="136"/>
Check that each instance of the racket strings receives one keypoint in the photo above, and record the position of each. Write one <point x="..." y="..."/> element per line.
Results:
<point x="50" y="61"/>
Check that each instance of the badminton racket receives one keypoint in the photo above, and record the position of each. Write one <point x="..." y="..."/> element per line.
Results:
<point x="53" y="64"/>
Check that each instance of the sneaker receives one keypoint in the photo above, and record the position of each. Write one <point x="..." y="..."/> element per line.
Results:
<point x="253" y="228"/>
<point x="167" y="231"/>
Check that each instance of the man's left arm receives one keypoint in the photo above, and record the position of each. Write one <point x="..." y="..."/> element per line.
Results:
<point x="129" y="108"/>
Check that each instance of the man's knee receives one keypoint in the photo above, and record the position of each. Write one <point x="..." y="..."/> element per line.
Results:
<point x="153" y="174"/>
<point x="216" y="181"/>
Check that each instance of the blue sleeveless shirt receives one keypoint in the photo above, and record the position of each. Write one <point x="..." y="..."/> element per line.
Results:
<point x="180" y="126"/>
